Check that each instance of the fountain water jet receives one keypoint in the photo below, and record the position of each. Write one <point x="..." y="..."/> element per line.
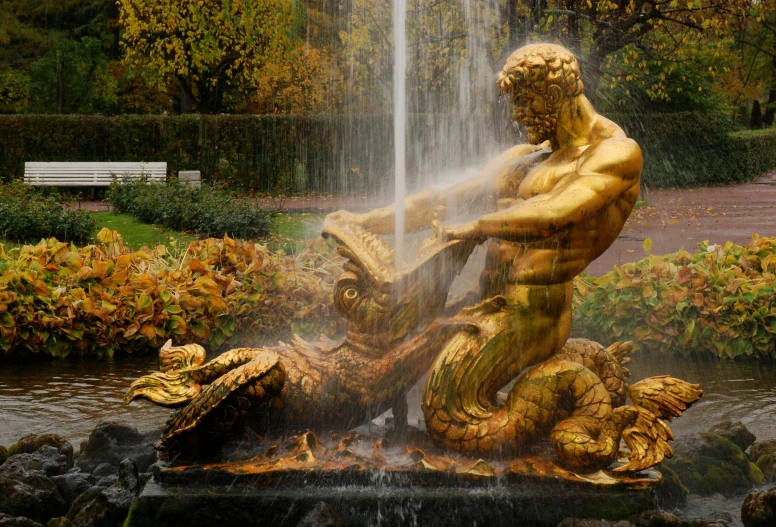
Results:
<point x="400" y="119"/>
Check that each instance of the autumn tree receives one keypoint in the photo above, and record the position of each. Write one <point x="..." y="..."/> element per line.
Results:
<point x="452" y="46"/>
<point x="661" y="31"/>
<point x="39" y="32"/>
<point x="208" y="46"/>
<point x="756" y="37"/>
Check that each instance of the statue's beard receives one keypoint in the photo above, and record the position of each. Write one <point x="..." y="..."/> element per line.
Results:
<point x="539" y="128"/>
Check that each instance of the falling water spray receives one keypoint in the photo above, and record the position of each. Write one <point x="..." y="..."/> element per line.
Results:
<point x="400" y="118"/>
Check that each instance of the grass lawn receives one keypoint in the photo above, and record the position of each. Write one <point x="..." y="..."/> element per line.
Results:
<point x="136" y="234"/>
<point x="289" y="230"/>
<point x="298" y="225"/>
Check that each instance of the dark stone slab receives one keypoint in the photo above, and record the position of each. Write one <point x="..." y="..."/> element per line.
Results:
<point x="492" y="503"/>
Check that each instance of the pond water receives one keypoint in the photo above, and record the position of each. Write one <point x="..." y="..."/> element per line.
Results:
<point x="71" y="396"/>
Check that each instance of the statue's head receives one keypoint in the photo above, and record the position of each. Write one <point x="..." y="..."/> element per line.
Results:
<point x="538" y="77"/>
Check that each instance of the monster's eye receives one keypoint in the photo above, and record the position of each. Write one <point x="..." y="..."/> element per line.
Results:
<point x="351" y="293"/>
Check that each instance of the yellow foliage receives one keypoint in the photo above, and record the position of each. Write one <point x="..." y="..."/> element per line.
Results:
<point x="59" y="299"/>
<point x="207" y="41"/>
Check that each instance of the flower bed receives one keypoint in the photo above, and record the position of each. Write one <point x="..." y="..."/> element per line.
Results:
<point x="719" y="299"/>
<point x="58" y="299"/>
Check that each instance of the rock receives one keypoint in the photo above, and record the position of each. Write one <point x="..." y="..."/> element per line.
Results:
<point x="129" y="479"/>
<point x="107" y="481"/>
<point x="61" y="521"/>
<point x="663" y="519"/>
<point x="762" y="448"/>
<point x="659" y="519"/>
<point x="46" y="459"/>
<point x="36" y="497"/>
<point x="73" y="484"/>
<point x="3" y="454"/>
<point x="99" y="507"/>
<point x="320" y="516"/>
<point x="709" y="463"/>
<point x="763" y="454"/>
<point x="759" y="509"/>
<point x="578" y="522"/>
<point x="105" y="469"/>
<point x="671" y="493"/>
<point x="736" y="432"/>
<point x="6" y="520"/>
<point x="32" y="443"/>
<point x="112" y="443"/>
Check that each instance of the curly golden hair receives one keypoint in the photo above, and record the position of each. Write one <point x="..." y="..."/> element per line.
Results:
<point x="538" y="66"/>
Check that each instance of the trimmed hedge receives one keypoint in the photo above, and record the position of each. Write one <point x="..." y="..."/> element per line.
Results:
<point x="721" y="299"/>
<point x="57" y="299"/>
<point x="277" y="154"/>
<point x="295" y="154"/>
<point x="697" y="149"/>
<point x="210" y="211"/>
<point x="28" y="214"/>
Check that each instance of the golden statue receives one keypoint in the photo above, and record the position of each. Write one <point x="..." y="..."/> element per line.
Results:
<point x="549" y="209"/>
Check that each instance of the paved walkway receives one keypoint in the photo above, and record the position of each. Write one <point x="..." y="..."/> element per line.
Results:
<point x="677" y="218"/>
<point x="674" y="218"/>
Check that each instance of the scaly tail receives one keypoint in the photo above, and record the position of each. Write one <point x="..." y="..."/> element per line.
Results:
<point x="171" y="387"/>
<point x="655" y="399"/>
<point x="183" y="374"/>
<point x="607" y="363"/>
<point x="221" y="407"/>
<point x="586" y="444"/>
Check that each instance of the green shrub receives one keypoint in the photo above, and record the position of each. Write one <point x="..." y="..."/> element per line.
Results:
<point x="57" y="299"/>
<point x="720" y="299"/>
<point x="28" y="214"/>
<point x="210" y="211"/>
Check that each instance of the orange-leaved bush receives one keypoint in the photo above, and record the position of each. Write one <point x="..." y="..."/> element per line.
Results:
<point x="720" y="299"/>
<point x="58" y="299"/>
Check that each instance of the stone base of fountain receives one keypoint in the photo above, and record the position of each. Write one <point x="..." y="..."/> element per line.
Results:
<point x="368" y="481"/>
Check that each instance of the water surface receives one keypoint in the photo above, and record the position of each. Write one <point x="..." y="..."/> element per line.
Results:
<point x="69" y="397"/>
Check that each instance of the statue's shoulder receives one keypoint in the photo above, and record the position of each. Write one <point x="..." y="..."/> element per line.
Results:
<point x="613" y="152"/>
<point x="617" y="156"/>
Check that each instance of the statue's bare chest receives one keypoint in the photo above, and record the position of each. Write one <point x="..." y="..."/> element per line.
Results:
<point x="537" y="174"/>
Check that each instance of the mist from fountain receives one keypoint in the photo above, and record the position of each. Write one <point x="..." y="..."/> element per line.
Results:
<point x="400" y="119"/>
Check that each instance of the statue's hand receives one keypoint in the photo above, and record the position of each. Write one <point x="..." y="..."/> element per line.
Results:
<point x="437" y="226"/>
<point x="344" y="217"/>
<point x="465" y="231"/>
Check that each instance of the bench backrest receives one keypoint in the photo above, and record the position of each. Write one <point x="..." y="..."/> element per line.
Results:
<point x="75" y="174"/>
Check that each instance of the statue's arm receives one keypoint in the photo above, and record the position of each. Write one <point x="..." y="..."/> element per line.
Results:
<point x="601" y="177"/>
<point x="420" y="208"/>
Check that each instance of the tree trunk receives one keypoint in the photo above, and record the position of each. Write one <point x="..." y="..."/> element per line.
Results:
<point x="591" y="75"/>
<point x="574" y="43"/>
<point x="756" y="118"/>
<point x="770" y="110"/>
<point x="185" y="97"/>
<point x="513" y="24"/>
<point x="60" y="86"/>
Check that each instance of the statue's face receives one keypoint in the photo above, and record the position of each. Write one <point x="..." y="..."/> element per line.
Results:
<point x="534" y="111"/>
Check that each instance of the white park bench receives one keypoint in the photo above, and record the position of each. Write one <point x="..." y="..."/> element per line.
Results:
<point x="90" y="174"/>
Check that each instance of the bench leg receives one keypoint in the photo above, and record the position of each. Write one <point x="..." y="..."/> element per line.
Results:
<point x="94" y="193"/>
